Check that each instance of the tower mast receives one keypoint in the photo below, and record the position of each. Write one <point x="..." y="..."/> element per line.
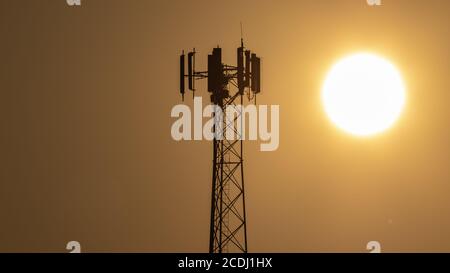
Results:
<point x="227" y="85"/>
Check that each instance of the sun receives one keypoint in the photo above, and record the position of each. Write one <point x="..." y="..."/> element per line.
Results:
<point x="363" y="94"/>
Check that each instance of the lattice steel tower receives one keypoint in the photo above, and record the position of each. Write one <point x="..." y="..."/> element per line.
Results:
<point x="228" y="86"/>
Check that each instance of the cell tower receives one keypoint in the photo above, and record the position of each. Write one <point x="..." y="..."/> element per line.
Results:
<point x="228" y="85"/>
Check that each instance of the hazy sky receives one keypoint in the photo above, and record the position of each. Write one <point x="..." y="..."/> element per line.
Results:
<point x="86" y="152"/>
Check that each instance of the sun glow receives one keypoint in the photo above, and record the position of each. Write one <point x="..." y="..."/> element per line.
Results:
<point x="363" y="94"/>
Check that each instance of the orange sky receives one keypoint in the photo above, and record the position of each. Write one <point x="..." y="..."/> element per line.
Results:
<point x="87" y="153"/>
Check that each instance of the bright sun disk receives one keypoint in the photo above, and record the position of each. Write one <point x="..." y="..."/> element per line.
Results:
<point x="363" y="94"/>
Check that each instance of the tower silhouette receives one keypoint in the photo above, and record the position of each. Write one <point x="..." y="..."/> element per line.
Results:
<point x="227" y="85"/>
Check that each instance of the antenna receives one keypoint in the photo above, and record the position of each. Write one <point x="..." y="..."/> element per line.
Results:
<point x="182" y="88"/>
<point x="191" y="70"/>
<point x="215" y="72"/>
<point x="256" y="71"/>
<point x="247" y="68"/>
<point x="240" y="69"/>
